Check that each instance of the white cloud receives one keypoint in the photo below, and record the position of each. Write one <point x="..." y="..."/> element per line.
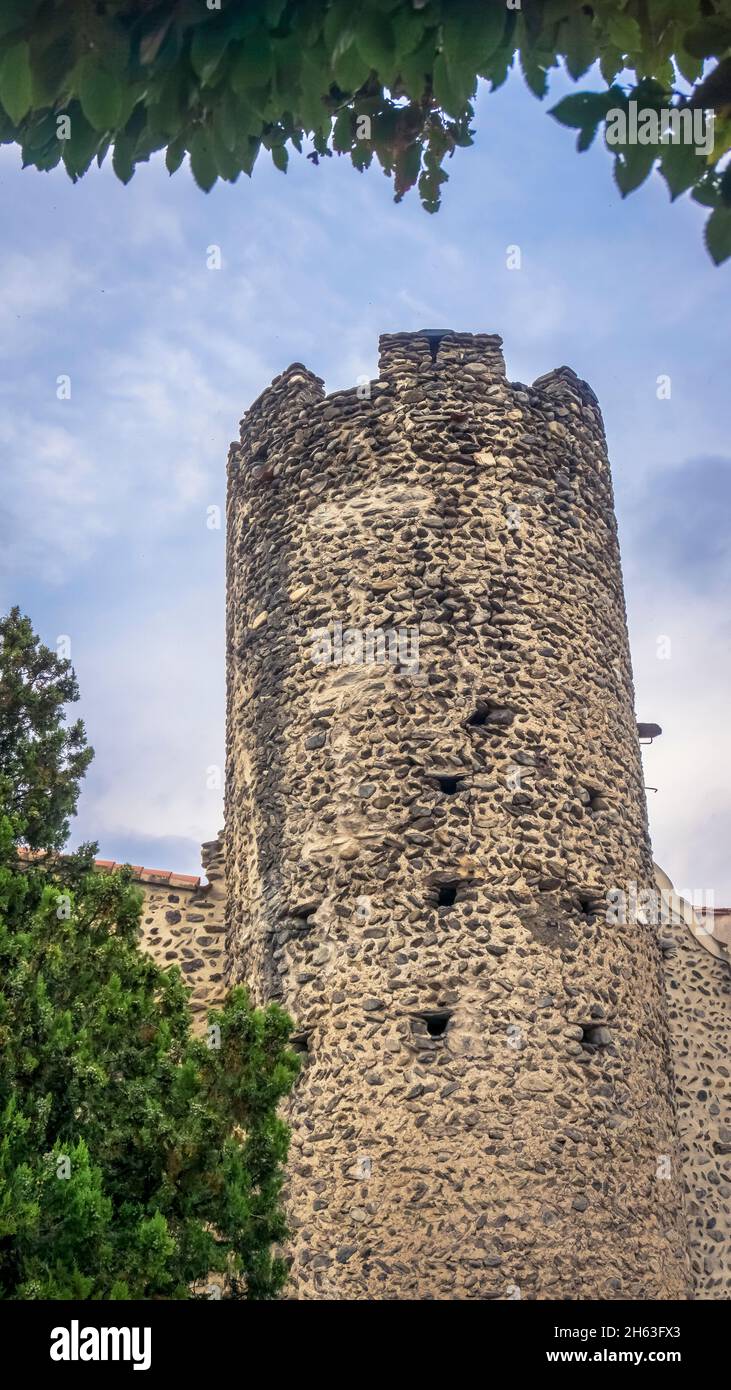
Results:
<point x="35" y="286"/>
<point x="686" y="693"/>
<point x="152" y="700"/>
<point x="55" y="518"/>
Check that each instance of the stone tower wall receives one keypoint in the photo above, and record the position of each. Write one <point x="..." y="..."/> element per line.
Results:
<point x="487" y="1104"/>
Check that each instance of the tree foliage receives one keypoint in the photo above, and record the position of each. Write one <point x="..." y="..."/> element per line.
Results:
<point x="390" y="80"/>
<point x="41" y="758"/>
<point x="135" y="1160"/>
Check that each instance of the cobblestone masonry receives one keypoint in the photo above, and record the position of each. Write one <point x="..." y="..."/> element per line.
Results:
<point x="183" y="924"/>
<point x="698" y="984"/>
<point x="417" y="862"/>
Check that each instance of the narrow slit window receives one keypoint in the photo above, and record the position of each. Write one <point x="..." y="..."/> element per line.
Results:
<point x="304" y="911"/>
<point x="595" y="1035"/>
<point x="494" y="716"/>
<point x="450" y="785"/>
<point x="447" y="892"/>
<point x="436" y="1021"/>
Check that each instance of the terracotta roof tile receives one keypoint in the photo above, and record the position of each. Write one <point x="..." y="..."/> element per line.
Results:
<point x="139" y="872"/>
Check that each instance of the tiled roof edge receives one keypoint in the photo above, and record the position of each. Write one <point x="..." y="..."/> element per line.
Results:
<point x="164" y="877"/>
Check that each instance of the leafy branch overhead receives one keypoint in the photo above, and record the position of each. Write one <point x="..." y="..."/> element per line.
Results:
<point x="393" y="80"/>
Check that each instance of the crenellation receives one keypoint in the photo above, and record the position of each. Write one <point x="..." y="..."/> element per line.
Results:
<point x="429" y="352"/>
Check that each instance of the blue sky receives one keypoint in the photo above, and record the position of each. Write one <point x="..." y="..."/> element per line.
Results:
<point x="105" y="496"/>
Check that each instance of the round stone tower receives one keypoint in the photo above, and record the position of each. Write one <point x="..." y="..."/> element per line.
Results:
<point x="433" y="785"/>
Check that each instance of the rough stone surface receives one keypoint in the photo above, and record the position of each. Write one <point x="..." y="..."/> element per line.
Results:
<point x="183" y="924"/>
<point x="488" y="1085"/>
<point x="698" y="985"/>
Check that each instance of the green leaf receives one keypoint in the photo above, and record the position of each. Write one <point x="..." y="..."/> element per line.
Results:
<point x="248" y="152"/>
<point x="376" y="40"/>
<point x="39" y="134"/>
<point x="51" y="66"/>
<point x="610" y="63"/>
<point x="471" y="32"/>
<point x="452" y="90"/>
<point x="582" y="108"/>
<point x="175" y="154"/>
<point x="258" y="100"/>
<point x="350" y="68"/>
<point x="689" y="67"/>
<point x="680" y="166"/>
<point x="443" y="90"/>
<point x="709" y="38"/>
<point x="280" y="157"/>
<point x="115" y="49"/>
<point x="49" y="159"/>
<point x="225" y="119"/>
<point x="580" y="43"/>
<point x="535" y="73"/>
<point x="314" y="83"/>
<point x="633" y="165"/>
<point x="207" y="49"/>
<point x="147" y="144"/>
<point x="624" y="32"/>
<point x="15" y="14"/>
<point x="430" y="182"/>
<point x="718" y="234"/>
<point x="202" y="160"/>
<point x="168" y="105"/>
<point x="226" y="162"/>
<point x="498" y="68"/>
<point x="16" y="82"/>
<point x="153" y="40"/>
<point x="408" y="28"/>
<point x="361" y="155"/>
<point x="408" y="166"/>
<point x="123" y="157"/>
<point x="338" y="27"/>
<point x="253" y="63"/>
<point x="415" y="68"/>
<point x="133" y="99"/>
<point x="342" y="136"/>
<point x="82" y="144"/>
<point x="707" y="192"/>
<point x="287" y="63"/>
<point x="585" y="138"/>
<point x="99" y="92"/>
<point x="665" y="75"/>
